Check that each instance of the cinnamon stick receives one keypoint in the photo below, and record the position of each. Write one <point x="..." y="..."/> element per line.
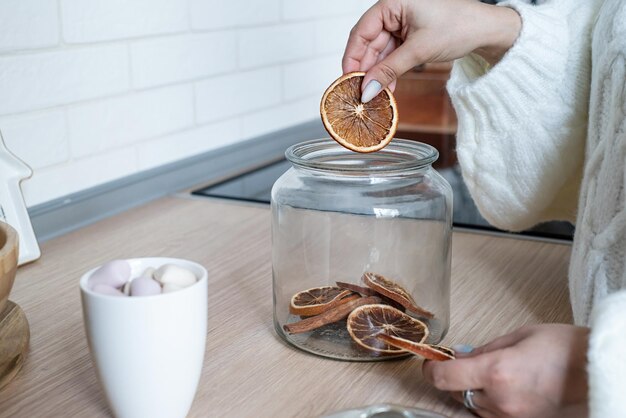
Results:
<point x="330" y="316"/>
<point x="364" y="291"/>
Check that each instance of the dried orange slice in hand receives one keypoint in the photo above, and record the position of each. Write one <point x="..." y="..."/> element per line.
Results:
<point x="428" y="351"/>
<point x="367" y="323"/>
<point x="394" y="292"/>
<point x="317" y="300"/>
<point x="360" y="127"/>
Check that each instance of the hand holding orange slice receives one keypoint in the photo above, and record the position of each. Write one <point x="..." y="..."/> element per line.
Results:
<point x="360" y="127"/>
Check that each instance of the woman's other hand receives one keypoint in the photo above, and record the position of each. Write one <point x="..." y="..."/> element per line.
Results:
<point x="537" y="371"/>
<point x="394" y="36"/>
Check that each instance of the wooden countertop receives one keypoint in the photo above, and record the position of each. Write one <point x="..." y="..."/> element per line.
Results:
<point x="498" y="284"/>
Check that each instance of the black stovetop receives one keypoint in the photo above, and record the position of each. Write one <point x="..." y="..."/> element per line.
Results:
<point x="256" y="186"/>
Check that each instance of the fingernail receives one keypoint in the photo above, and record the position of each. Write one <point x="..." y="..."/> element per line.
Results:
<point x="371" y="90"/>
<point x="463" y="348"/>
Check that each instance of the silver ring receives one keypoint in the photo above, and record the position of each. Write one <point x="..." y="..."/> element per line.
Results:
<point x="468" y="399"/>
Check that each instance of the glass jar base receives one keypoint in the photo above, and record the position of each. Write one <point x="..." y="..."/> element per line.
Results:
<point x="334" y="341"/>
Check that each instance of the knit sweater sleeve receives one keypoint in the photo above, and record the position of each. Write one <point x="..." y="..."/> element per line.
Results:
<point x="606" y="358"/>
<point x="522" y="123"/>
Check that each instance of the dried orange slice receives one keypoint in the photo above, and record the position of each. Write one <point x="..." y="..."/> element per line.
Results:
<point x="317" y="300"/>
<point x="360" y="127"/>
<point x="428" y="351"/>
<point x="394" y="292"/>
<point x="366" y="323"/>
<point x="368" y="291"/>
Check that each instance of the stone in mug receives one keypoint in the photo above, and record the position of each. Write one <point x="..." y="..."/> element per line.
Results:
<point x="114" y="274"/>
<point x="144" y="286"/>
<point x="173" y="274"/>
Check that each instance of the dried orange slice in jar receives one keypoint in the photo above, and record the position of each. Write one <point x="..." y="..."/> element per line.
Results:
<point x="366" y="323"/>
<point x="317" y="300"/>
<point x="360" y="127"/>
<point x="428" y="351"/>
<point x="395" y="292"/>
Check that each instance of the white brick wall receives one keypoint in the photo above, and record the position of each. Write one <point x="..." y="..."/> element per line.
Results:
<point x="188" y="143"/>
<point x="91" y="21"/>
<point x="49" y="79"/>
<point x="92" y="91"/>
<point x="216" y="14"/>
<point x="236" y="94"/>
<point x="124" y="120"/>
<point x="276" y="44"/>
<point x="26" y="24"/>
<point x="299" y="81"/>
<point x="280" y="117"/>
<point x="182" y="58"/>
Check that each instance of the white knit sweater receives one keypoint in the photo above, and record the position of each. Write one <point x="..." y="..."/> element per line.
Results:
<point x="542" y="136"/>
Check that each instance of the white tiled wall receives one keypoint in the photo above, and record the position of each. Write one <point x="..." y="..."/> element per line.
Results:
<point x="94" y="90"/>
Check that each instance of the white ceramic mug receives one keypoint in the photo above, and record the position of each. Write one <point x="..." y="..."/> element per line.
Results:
<point x="148" y="350"/>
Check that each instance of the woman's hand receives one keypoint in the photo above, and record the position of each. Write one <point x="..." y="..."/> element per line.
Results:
<point x="537" y="371"/>
<point x="393" y="36"/>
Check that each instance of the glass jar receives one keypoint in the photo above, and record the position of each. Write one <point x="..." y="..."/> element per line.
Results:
<point x="337" y="214"/>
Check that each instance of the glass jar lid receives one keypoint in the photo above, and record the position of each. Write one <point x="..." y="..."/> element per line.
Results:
<point x="400" y="156"/>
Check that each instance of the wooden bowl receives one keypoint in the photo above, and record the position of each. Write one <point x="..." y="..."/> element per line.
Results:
<point x="9" y="252"/>
<point x="14" y="330"/>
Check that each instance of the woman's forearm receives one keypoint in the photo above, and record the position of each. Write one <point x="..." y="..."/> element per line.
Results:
<point x="500" y="31"/>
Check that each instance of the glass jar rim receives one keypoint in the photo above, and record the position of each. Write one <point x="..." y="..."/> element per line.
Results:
<point x="325" y="154"/>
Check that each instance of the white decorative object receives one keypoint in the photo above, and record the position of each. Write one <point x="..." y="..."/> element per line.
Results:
<point x="12" y="206"/>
